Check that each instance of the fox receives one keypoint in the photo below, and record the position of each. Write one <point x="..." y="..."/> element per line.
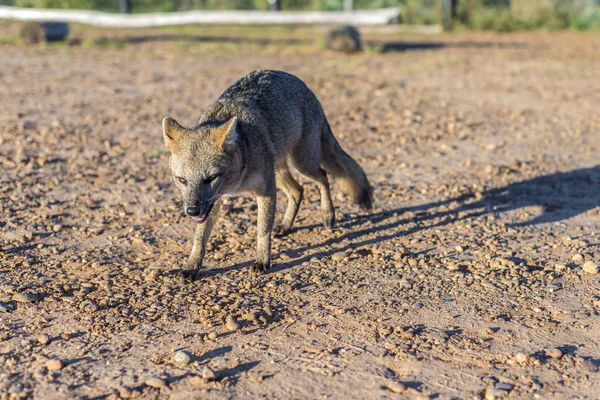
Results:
<point x="247" y="141"/>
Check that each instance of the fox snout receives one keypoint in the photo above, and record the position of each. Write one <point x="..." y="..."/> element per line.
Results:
<point x="199" y="213"/>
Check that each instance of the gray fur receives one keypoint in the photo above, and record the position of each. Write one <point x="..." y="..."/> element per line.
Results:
<point x="262" y="125"/>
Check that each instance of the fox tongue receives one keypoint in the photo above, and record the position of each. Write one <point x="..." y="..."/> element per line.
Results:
<point x="200" y="218"/>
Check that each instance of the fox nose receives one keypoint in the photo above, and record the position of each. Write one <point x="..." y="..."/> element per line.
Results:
<point x="192" y="211"/>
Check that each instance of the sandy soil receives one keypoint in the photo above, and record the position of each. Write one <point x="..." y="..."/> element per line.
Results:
<point x="466" y="282"/>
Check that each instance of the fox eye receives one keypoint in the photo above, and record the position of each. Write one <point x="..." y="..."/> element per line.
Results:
<point x="210" y="179"/>
<point x="182" y="181"/>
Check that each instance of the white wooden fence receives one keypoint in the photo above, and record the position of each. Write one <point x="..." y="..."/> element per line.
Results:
<point x="97" y="18"/>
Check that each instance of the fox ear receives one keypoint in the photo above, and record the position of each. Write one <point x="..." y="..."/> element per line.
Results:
<point x="172" y="132"/>
<point x="226" y="134"/>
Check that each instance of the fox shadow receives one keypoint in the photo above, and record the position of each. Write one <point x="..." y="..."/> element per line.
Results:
<point x="561" y="195"/>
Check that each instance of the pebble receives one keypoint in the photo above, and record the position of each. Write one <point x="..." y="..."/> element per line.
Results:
<point x="577" y="257"/>
<point x="15" y="388"/>
<point x="125" y="393"/>
<point x="249" y="316"/>
<point x="582" y="315"/>
<point x="521" y="358"/>
<point x="54" y="365"/>
<point x="155" y="382"/>
<point x="504" y="386"/>
<point x="339" y="256"/>
<point x="209" y="374"/>
<point x="57" y="227"/>
<point x="182" y="357"/>
<point x="554" y="353"/>
<point x="492" y="394"/>
<point x="24" y="298"/>
<point x="212" y="335"/>
<point x="43" y="339"/>
<point x="153" y="274"/>
<point x="198" y="381"/>
<point x="232" y="324"/>
<point x="560" y="267"/>
<point x="590" y="365"/>
<point x="396" y="387"/>
<point x="591" y="267"/>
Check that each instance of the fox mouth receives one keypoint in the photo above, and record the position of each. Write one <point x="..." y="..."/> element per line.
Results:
<point x="200" y="218"/>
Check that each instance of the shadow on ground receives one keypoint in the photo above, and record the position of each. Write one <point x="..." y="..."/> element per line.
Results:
<point x="561" y="195"/>
<point x="382" y="46"/>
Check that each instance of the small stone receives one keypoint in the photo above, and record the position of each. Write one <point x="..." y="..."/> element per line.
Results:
<point x="212" y="335"/>
<point x="268" y="311"/>
<point x="57" y="227"/>
<point x="15" y="388"/>
<point x="591" y="267"/>
<point x="577" y="257"/>
<point x="590" y="365"/>
<point x="155" y="382"/>
<point x="339" y="256"/>
<point x="232" y="324"/>
<point x="504" y="386"/>
<point x="125" y="393"/>
<point x="386" y="331"/>
<point x="406" y="284"/>
<point x="249" y="316"/>
<point x="396" y="387"/>
<point x="182" y="357"/>
<point x="560" y="267"/>
<point x="198" y="381"/>
<point x="209" y="374"/>
<point x="554" y="353"/>
<point x="492" y="394"/>
<point x="43" y="339"/>
<point x="25" y="298"/>
<point x="39" y="373"/>
<point x="153" y="274"/>
<point x="54" y="365"/>
<point x="459" y="249"/>
<point x="522" y="358"/>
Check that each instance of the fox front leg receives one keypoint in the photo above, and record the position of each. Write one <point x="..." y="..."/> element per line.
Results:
<point x="201" y="236"/>
<point x="266" y="215"/>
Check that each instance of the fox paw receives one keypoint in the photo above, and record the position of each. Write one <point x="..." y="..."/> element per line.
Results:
<point x="190" y="274"/>
<point x="329" y="222"/>
<point x="259" y="268"/>
<point x="280" y="230"/>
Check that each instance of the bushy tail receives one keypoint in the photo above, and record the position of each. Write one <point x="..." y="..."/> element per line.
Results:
<point x="343" y="169"/>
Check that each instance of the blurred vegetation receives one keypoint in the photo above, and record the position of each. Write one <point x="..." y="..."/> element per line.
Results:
<point x="496" y="15"/>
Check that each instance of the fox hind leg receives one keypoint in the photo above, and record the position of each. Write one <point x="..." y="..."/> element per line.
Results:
<point x="320" y="177"/>
<point x="294" y="192"/>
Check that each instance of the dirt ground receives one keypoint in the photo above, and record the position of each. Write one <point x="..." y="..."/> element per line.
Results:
<point x="466" y="281"/>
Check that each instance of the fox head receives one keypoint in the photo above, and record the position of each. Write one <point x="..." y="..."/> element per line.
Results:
<point x="203" y="162"/>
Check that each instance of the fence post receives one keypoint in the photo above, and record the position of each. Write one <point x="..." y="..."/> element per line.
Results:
<point x="348" y="5"/>
<point x="275" y="5"/>
<point x="125" y="6"/>
<point x="448" y="12"/>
